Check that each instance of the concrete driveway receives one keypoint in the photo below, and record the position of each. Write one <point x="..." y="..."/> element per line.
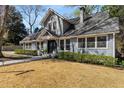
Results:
<point x="9" y="55"/>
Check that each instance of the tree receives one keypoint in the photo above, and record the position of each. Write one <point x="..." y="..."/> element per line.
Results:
<point x="4" y="11"/>
<point x="117" y="11"/>
<point x="17" y="30"/>
<point x="114" y="11"/>
<point x="36" y="30"/>
<point x="31" y="13"/>
<point x="88" y="9"/>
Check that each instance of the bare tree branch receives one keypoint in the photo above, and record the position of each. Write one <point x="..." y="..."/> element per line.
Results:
<point x="31" y="12"/>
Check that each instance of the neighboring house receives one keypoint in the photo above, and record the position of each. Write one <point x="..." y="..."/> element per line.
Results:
<point x="93" y="34"/>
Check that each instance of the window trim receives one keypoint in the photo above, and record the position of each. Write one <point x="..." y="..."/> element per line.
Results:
<point x="95" y="42"/>
<point x="54" y="23"/>
<point x="60" y="44"/>
<point x="106" y="42"/>
<point x="84" y="42"/>
<point x="65" y="45"/>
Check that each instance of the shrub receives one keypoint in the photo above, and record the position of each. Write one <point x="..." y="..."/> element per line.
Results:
<point x="45" y="50"/>
<point x="88" y="58"/>
<point x="123" y="63"/>
<point x="61" y="55"/>
<point x="26" y="52"/>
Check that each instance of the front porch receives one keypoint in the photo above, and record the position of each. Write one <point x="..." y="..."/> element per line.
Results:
<point x="102" y="44"/>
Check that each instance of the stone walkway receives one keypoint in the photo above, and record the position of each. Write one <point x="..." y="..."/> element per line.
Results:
<point x="20" y="61"/>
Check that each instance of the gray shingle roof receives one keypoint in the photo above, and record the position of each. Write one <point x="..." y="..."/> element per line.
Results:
<point x="98" y="23"/>
<point x="93" y="24"/>
<point x="75" y="20"/>
<point x="31" y="37"/>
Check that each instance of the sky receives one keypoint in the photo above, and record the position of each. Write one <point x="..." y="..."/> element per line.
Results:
<point x="63" y="10"/>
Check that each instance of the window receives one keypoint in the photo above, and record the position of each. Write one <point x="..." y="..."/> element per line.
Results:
<point x="52" y="18"/>
<point x="61" y="44"/>
<point x="81" y="42"/>
<point x="49" y="26"/>
<point x="54" y="25"/>
<point x="101" y="41"/>
<point x="38" y="45"/>
<point x="91" y="42"/>
<point x="67" y="44"/>
<point x="29" y="45"/>
<point x="26" y="45"/>
<point x="41" y="45"/>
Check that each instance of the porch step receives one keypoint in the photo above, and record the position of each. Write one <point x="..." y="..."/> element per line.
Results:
<point x="48" y="56"/>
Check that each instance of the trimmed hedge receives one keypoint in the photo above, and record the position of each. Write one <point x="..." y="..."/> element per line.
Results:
<point x="88" y="58"/>
<point x="11" y="47"/>
<point x="26" y="52"/>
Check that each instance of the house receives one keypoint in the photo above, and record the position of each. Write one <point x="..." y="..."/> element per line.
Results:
<point x="92" y="34"/>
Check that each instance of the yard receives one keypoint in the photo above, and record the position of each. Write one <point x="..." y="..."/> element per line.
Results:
<point x="59" y="73"/>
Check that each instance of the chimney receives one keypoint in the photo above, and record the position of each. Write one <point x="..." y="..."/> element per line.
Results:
<point x="82" y="10"/>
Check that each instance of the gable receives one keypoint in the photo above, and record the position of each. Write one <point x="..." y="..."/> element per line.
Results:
<point x="45" y="34"/>
<point x="48" y="19"/>
<point x="51" y="12"/>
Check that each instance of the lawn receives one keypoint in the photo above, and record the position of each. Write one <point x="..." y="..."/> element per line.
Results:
<point x="59" y="73"/>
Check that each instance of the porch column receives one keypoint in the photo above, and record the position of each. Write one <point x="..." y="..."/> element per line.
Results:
<point x="39" y="45"/>
<point x="114" y="45"/>
<point x="31" y="46"/>
<point x="64" y="45"/>
<point x="45" y="45"/>
<point x="23" y="46"/>
<point x="58" y="45"/>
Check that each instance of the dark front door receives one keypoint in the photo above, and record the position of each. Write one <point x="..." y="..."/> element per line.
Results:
<point x="52" y="46"/>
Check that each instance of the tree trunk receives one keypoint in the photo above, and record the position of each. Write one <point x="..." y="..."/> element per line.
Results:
<point x="1" y="54"/>
<point x="30" y="29"/>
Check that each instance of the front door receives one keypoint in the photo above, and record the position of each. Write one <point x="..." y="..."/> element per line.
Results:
<point x="52" y="46"/>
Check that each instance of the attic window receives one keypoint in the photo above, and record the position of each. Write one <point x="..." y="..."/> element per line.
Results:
<point x="51" y="18"/>
<point x="54" y="25"/>
<point x="49" y="26"/>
